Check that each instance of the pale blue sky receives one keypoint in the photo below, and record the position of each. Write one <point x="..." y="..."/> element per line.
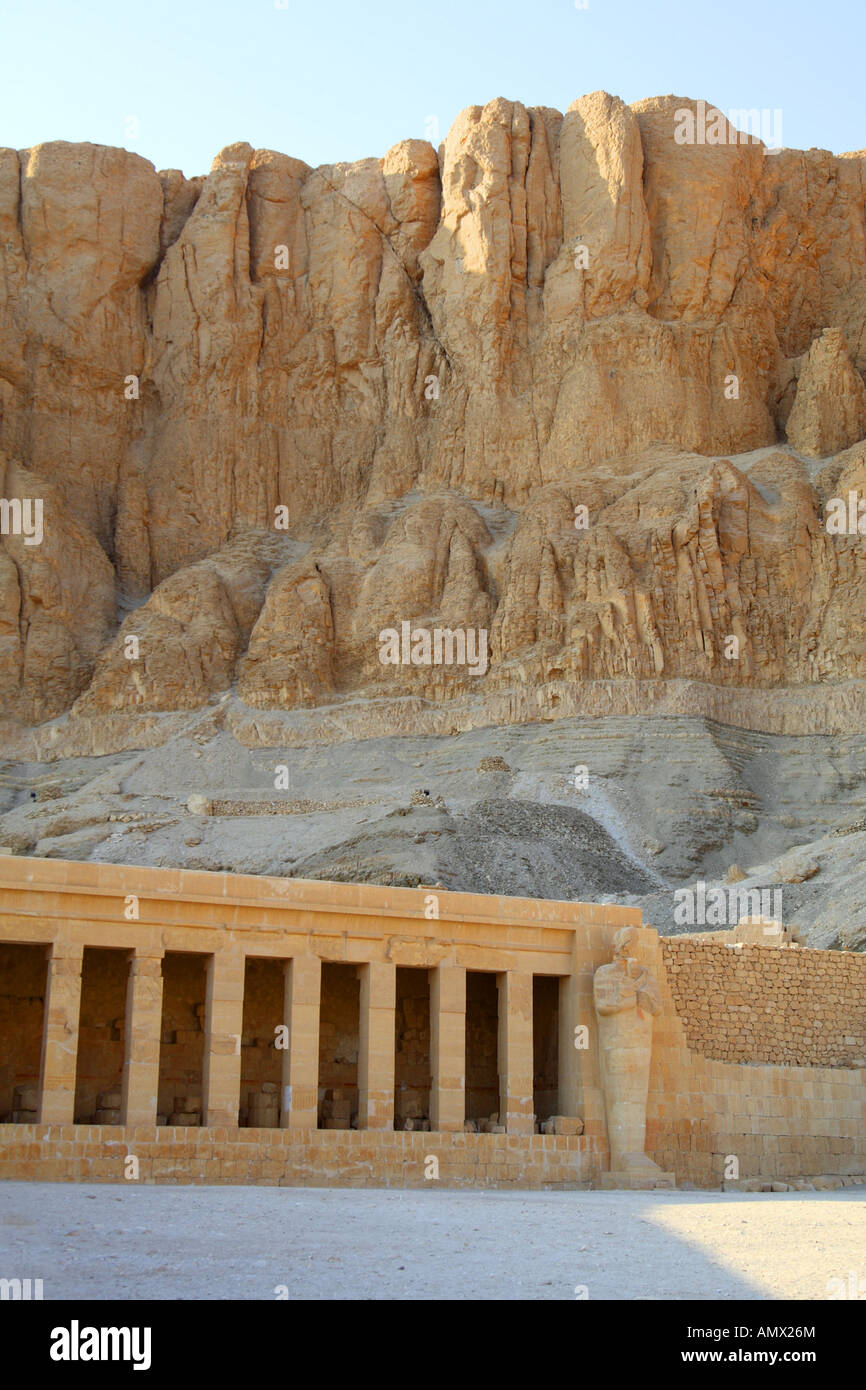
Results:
<point x="340" y="80"/>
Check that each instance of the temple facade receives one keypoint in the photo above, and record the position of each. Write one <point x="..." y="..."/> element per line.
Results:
<point x="175" y="1025"/>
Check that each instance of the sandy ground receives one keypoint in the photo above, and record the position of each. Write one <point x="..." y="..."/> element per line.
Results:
<point x="89" y="1241"/>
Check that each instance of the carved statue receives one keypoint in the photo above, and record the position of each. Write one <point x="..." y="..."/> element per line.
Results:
<point x="626" y="999"/>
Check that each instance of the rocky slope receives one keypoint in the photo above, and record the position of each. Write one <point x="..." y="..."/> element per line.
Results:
<point x="667" y="802"/>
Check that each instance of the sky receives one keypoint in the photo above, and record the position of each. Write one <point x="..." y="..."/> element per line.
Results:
<point x="329" y="80"/>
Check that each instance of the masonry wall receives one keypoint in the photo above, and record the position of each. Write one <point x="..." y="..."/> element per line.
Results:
<point x="99" y="1072"/>
<point x="324" y="1158"/>
<point x="412" y="1047"/>
<point x="261" y="1059"/>
<point x="482" y="1074"/>
<point x="545" y="1050"/>
<point x="776" y="1119"/>
<point x="181" y="1057"/>
<point x="764" y="1004"/>
<point x="22" y="1009"/>
<point x="338" y="1046"/>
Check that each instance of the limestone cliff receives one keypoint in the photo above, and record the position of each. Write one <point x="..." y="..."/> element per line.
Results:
<point x="565" y="380"/>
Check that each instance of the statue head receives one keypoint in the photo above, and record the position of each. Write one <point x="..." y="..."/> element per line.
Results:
<point x="623" y="941"/>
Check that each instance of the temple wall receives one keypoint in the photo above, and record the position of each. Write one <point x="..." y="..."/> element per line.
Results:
<point x="765" y="1004"/>
<point x="325" y="1158"/>
<point x="776" y="1119"/>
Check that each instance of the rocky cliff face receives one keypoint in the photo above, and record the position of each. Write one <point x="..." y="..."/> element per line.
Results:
<point x="566" y="381"/>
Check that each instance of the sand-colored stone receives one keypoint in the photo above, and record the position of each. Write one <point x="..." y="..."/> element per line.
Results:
<point x="290" y="660"/>
<point x="223" y="1029"/>
<point x="756" y="1004"/>
<point x="515" y="1051"/>
<point x="60" y="1036"/>
<point x="56" y="604"/>
<point x="142" y="1033"/>
<point x="448" y="1047"/>
<point x="626" y="1000"/>
<point x="784" y="1117"/>
<point x="189" y="635"/>
<point x="376" y="1046"/>
<point x="829" y="410"/>
<point x="303" y="983"/>
<point x="409" y="354"/>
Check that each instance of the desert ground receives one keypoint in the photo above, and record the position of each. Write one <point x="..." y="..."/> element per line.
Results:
<point x="105" y="1241"/>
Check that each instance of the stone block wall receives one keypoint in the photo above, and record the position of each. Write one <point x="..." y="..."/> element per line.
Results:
<point x="261" y="1060"/>
<point x="181" y="1053"/>
<point x="545" y="1062"/>
<point x="482" y="1075"/>
<point x="778" y="1118"/>
<point x="320" y="1158"/>
<point x="787" y="1006"/>
<point x="99" y="1072"/>
<point x="22" y="1012"/>
<point x="339" y="1029"/>
<point x="412" y="1047"/>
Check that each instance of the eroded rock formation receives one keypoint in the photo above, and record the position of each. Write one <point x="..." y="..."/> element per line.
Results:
<point x="435" y="362"/>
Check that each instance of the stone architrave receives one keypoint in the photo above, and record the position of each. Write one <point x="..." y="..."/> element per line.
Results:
<point x="626" y="999"/>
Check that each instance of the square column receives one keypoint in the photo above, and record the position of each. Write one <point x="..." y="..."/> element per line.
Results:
<point x="376" y="1045"/>
<point x="224" y="1011"/>
<point x="60" y="1034"/>
<point x="142" y="1032"/>
<point x="571" y="1054"/>
<point x="448" y="1047"/>
<point x="301" y="1010"/>
<point x="515" y="1051"/>
<point x="579" y="1081"/>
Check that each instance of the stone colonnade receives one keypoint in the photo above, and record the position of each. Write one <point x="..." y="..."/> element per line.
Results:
<point x="228" y="918"/>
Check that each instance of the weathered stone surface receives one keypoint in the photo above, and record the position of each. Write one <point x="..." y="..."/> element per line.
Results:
<point x="829" y="411"/>
<point x="626" y="997"/>
<point x="290" y="661"/>
<point x="81" y="236"/>
<point x="56" y="604"/>
<point x="432" y="362"/>
<point x="182" y="646"/>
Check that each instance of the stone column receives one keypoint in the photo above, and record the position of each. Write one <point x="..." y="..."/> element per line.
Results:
<point x="302" y="1006"/>
<point x="579" y="1081"/>
<point x="515" y="1051"/>
<point x="60" y="1034"/>
<point x="376" y="1045"/>
<point x="448" y="1047"/>
<point x="570" y="1055"/>
<point x="143" y="1028"/>
<point x="224" y="1011"/>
